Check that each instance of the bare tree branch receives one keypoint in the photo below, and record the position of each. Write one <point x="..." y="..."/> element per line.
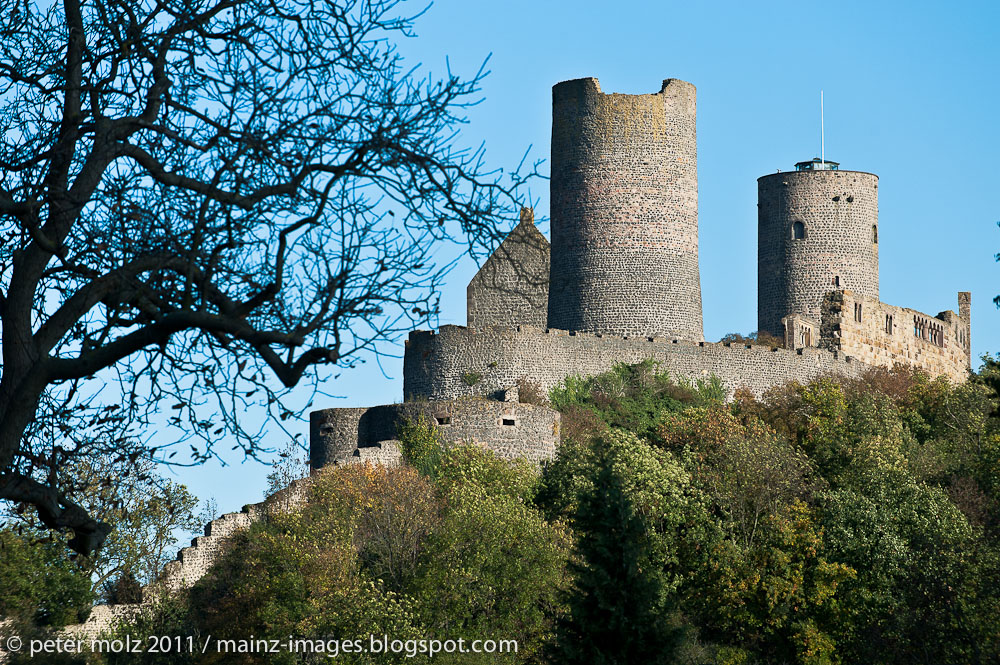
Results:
<point x="202" y="202"/>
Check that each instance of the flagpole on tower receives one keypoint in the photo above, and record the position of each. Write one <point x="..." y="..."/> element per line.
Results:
<point x="822" y="132"/>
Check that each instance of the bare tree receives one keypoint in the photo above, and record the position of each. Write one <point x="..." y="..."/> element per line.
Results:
<point x="196" y="195"/>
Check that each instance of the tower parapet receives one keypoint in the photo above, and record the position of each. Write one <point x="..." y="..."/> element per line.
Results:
<point x="625" y="211"/>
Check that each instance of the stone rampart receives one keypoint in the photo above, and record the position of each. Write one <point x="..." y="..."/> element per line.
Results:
<point x="442" y="365"/>
<point x="192" y="562"/>
<point x="509" y="429"/>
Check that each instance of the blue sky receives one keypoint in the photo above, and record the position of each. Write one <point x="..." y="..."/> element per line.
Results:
<point x="912" y="91"/>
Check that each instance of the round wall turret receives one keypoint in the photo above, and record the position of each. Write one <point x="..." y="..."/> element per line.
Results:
<point x="817" y="232"/>
<point x="624" y="206"/>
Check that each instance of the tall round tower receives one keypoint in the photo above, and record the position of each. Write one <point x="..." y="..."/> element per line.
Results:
<point x="817" y="232"/>
<point x="624" y="205"/>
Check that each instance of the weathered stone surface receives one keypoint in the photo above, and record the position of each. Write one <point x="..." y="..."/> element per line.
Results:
<point x="511" y="430"/>
<point x="839" y="214"/>
<point x="882" y="335"/>
<point x="192" y="562"/>
<point x="512" y="287"/>
<point x="435" y="363"/>
<point x="624" y="200"/>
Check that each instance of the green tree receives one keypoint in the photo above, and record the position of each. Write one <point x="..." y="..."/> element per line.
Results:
<point x="39" y="583"/>
<point x="633" y="397"/>
<point x="626" y="560"/>
<point x="494" y="567"/>
<point x="380" y="551"/>
<point x="149" y="514"/>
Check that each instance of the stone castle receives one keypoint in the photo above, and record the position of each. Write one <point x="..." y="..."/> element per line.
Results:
<point x="620" y="283"/>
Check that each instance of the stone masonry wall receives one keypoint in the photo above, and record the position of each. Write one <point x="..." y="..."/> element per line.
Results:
<point x="435" y="363"/>
<point x="512" y="287"/>
<point x="509" y="429"/>
<point x="886" y="335"/>
<point x="839" y="214"/>
<point x="192" y="562"/>
<point x="624" y="201"/>
<point x="800" y="331"/>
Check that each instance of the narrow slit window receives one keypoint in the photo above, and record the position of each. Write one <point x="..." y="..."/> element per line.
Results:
<point x="509" y="422"/>
<point x="443" y="420"/>
<point x="798" y="231"/>
<point x="874" y="234"/>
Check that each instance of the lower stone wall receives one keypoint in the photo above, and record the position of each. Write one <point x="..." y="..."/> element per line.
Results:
<point x="461" y="362"/>
<point x="880" y="334"/>
<point x="509" y="429"/>
<point x="192" y="562"/>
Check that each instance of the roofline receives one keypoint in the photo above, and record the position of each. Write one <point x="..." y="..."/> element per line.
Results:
<point x="813" y="172"/>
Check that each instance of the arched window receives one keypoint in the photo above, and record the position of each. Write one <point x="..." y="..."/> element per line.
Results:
<point x="874" y="234"/>
<point x="798" y="231"/>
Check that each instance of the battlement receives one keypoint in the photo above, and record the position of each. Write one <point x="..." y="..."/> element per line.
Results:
<point x="589" y="87"/>
<point x="457" y="362"/>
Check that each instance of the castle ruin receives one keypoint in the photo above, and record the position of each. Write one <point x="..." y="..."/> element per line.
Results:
<point x="620" y="284"/>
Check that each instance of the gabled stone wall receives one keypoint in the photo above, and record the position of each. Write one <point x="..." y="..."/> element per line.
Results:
<point x="512" y="287"/>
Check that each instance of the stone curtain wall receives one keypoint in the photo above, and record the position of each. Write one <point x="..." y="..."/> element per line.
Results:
<point x="624" y="200"/>
<point x="839" y="210"/>
<point x="509" y="429"/>
<point x="533" y="434"/>
<point x="512" y="287"/>
<point x="946" y="351"/>
<point x="435" y="363"/>
<point x="192" y="562"/>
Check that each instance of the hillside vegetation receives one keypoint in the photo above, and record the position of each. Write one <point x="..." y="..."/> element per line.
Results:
<point x="843" y="521"/>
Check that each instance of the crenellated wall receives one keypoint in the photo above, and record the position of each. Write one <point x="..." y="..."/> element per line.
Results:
<point x="882" y="335"/>
<point x="192" y="562"/>
<point x="437" y="365"/>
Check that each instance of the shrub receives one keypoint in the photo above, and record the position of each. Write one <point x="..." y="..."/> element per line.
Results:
<point x="421" y="445"/>
<point x="530" y="392"/>
<point x="761" y="337"/>
<point x="633" y="397"/>
<point x="123" y="590"/>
